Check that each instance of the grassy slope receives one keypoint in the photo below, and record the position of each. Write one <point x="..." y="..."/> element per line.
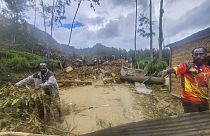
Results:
<point x="16" y="61"/>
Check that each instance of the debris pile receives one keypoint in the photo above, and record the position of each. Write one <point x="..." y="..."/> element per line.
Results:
<point x="108" y="72"/>
<point x="23" y="109"/>
<point x="81" y="73"/>
<point x="158" y="104"/>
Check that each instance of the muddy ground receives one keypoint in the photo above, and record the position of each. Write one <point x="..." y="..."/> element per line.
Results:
<point x="96" y="106"/>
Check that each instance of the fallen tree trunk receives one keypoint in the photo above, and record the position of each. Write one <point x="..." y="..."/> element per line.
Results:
<point x="132" y="72"/>
<point x="22" y="134"/>
<point x="140" y="70"/>
<point x="144" y="79"/>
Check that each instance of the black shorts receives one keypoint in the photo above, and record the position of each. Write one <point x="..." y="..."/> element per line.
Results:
<point x="195" y="107"/>
<point x="48" y="92"/>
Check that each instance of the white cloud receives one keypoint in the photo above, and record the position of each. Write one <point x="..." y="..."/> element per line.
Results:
<point x="191" y="21"/>
<point x="112" y="24"/>
<point x="176" y="9"/>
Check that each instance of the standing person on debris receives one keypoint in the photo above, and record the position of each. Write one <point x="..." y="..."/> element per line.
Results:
<point x="194" y="80"/>
<point x="45" y="79"/>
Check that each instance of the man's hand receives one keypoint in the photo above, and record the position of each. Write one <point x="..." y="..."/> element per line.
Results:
<point x="17" y="85"/>
<point x="167" y="72"/>
<point x="164" y="73"/>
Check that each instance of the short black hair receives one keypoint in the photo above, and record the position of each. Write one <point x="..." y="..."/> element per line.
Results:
<point x="199" y="48"/>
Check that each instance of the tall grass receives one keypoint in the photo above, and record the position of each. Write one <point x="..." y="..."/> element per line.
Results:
<point x="15" y="61"/>
<point x="26" y="110"/>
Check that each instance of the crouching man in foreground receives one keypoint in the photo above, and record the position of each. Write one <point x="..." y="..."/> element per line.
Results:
<point x="45" y="80"/>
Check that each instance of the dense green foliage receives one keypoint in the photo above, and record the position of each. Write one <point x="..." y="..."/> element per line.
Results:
<point x="153" y="67"/>
<point x="21" y="61"/>
<point x="15" y="61"/>
<point x="158" y="66"/>
<point x="143" y="60"/>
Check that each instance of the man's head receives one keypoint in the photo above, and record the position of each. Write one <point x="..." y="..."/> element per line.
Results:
<point x="199" y="55"/>
<point x="43" y="68"/>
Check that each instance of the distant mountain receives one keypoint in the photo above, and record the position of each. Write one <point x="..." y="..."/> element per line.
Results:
<point x="98" y="50"/>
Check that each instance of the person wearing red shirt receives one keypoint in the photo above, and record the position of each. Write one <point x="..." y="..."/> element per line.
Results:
<point x="194" y="81"/>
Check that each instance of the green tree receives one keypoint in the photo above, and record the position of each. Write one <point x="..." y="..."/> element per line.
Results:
<point x="16" y="9"/>
<point x="145" y="28"/>
<point x="55" y="12"/>
<point x="16" y="12"/>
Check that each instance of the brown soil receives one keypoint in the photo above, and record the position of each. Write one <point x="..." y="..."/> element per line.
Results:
<point x="100" y="107"/>
<point x="94" y="108"/>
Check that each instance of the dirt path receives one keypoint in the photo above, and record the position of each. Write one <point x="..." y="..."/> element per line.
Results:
<point x="100" y="107"/>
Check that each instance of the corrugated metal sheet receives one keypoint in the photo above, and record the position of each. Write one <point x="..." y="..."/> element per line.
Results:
<point x="193" y="124"/>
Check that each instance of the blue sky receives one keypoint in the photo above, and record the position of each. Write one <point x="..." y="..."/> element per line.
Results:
<point x="112" y="23"/>
<point x="76" y="24"/>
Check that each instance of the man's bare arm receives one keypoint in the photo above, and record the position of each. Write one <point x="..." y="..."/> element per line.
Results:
<point x="168" y="71"/>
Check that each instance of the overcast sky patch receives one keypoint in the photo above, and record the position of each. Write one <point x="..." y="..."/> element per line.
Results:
<point x="112" y="23"/>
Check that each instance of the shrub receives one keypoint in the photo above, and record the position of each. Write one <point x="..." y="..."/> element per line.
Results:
<point x="18" y="64"/>
<point x="3" y="73"/>
<point x="158" y="66"/>
<point x="153" y="67"/>
<point x="142" y="63"/>
<point x="15" y="61"/>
